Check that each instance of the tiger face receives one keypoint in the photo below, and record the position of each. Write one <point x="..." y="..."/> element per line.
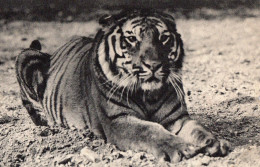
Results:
<point x="143" y="52"/>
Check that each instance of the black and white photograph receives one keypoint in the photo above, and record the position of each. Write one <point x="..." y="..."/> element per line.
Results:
<point x="129" y="83"/>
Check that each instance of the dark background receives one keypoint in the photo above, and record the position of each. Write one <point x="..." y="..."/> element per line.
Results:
<point x="81" y="10"/>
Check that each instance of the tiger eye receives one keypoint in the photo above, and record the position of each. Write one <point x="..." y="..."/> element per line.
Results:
<point x="164" y="38"/>
<point x="132" y="38"/>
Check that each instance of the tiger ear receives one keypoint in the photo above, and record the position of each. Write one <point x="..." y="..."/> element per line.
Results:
<point x="106" y="20"/>
<point x="170" y="21"/>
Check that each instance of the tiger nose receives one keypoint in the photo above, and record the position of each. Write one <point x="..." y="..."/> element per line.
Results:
<point x="152" y="65"/>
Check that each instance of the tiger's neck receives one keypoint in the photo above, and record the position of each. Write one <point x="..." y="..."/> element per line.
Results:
<point x="152" y="100"/>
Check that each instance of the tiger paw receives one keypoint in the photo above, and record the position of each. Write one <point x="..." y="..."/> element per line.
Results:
<point x="216" y="147"/>
<point x="209" y="144"/>
<point x="175" y="152"/>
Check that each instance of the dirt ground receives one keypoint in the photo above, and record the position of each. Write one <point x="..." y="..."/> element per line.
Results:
<point x="222" y="85"/>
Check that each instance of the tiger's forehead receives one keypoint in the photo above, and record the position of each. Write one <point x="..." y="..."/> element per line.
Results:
<point x="136" y="25"/>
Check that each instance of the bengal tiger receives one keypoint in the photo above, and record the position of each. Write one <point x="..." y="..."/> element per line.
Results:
<point x="125" y="85"/>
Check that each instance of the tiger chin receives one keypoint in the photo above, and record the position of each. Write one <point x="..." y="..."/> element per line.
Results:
<point x="125" y="85"/>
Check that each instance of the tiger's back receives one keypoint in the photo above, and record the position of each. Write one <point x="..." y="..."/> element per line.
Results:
<point x="68" y="65"/>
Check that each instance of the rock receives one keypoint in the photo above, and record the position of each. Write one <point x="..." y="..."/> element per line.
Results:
<point x="65" y="160"/>
<point x="200" y="155"/>
<point x="189" y="93"/>
<point x="205" y="160"/>
<point x="45" y="132"/>
<point x="140" y="156"/>
<point x="90" y="155"/>
<point x="5" y="119"/>
<point x="97" y="143"/>
<point x="118" y="155"/>
<point x="195" y="163"/>
<point x="130" y="153"/>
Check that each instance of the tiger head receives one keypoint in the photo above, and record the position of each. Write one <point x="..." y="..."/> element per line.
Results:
<point x="140" y="50"/>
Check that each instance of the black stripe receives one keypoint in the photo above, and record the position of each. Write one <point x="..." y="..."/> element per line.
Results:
<point x="114" y="47"/>
<point x="60" y="65"/>
<point x="138" y="25"/>
<point x="137" y="21"/>
<point x="178" y="118"/>
<point x="57" y="89"/>
<point x="112" y="100"/>
<point x="118" y="115"/>
<point x="164" y="98"/>
<point x="49" y="109"/>
<point x="116" y="102"/>
<point x="175" y="108"/>
<point x="56" y="93"/>
<point x="25" y="75"/>
<point x="128" y="62"/>
<point x="57" y="55"/>
<point x="129" y="32"/>
<point x="107" y="58"/>
<point x="60" y="48"/>
<point x="157" y="24"/>
<point x="154" y="21"/>
<point x="83" y="44"/>
<point x="84" y="53"/>
<point x="107" y="50"/>
<point x="60" y="112"/>
<point x="51" y="101"/>
<point x="78" y="51"/>
<point x="60" y="51"/>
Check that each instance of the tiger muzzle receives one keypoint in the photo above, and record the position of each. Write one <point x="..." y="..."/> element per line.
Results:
<point x="152" y="65"/>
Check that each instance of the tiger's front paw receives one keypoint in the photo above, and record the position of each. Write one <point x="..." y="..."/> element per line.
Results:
<point x="175" y="152"/>
<point x="193" y="132"/>
<point x="209" y="144"/>
<point x="216" y="147"/>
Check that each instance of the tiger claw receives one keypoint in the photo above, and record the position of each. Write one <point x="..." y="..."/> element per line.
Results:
<point x="190" y="151"/>
<point x="177" y="157"/>
<point x="225" y="147"/>
<point x="218" y="148"/>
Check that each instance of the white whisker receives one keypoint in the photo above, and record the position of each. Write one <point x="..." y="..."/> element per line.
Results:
<point x="132" y="86"/>
<point x="127" y="93"/>
<point x="116" y="86"/>
<point x="115" y="78"/>
<point x="122" y="92"/>
<point x="175" y="80"/>
<point x="126" y="85"/>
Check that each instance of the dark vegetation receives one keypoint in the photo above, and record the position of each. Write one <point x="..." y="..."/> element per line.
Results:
<point x="80" y="10"/>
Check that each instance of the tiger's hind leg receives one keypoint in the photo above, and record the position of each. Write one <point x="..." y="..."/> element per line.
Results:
<point x="31" y="72"/>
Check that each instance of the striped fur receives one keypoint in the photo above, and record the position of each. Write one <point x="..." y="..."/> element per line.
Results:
<point x="31" y="69"/>
<point x="125" y="85"/>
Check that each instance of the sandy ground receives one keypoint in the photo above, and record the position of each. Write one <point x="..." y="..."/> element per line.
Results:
<point x="221" y="79"/>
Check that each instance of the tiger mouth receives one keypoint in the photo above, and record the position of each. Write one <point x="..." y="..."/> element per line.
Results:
<point x="151" y="85"/>
<point x="153" y="79"/>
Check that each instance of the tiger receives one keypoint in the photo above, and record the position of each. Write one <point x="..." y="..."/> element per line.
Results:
<point x="125" y="84"/>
